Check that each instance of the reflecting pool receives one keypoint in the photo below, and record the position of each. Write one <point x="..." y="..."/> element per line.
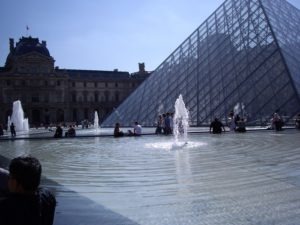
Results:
<point x="251" y="178"/>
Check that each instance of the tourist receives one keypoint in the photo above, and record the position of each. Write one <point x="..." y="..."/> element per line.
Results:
<point x="240" y="125"/>
<point x="232" y="121"/>
<point x="117" y="131"/>
<point x="297" y="121"/>
<point x="168" y="124"/>
<point x="163" y="125"/>
<point x="277" y="122"/>
<point x="3" y="182"/>
<point x="216" y="126"/>
<point x="137" y="130"/>
<point x="12" y="130"/>
<point x="58" y="132"/>
<point x="1" y="130"/>
<point x="26" y="202"/>
<point x="159" y="125"/>
<point x="71" y="132"/>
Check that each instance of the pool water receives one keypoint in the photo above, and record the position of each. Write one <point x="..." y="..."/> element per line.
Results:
<point x="251" y="178"/>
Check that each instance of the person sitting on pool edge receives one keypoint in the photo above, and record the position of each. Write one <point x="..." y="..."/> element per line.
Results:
<point x="71" y="132"/>
<point x="117" y="131"/>
<point x="26" y="203"/>
<point x="216" y="126"/>
<point x="137" y="130"/>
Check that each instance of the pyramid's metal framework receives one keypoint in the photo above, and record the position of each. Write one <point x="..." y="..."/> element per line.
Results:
<point x="247" y="51"/>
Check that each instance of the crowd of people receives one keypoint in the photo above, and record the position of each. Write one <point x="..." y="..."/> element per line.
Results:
<point x="23" y="201"/>
<point x="137" y="130"/>
<point x="165" y="124"/>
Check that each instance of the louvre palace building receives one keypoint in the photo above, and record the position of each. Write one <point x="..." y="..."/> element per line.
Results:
<point x="51" y="95"/>
<point x="245" y="58"/>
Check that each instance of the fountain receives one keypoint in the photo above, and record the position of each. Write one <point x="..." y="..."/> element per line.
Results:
<point x="180" y="120"/>
<point x="17" y="117"/>
<point x="96" y="120"/>
<point x="239" y="108"/>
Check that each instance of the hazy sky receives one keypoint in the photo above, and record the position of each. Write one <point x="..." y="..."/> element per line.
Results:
<point x="105" y="34"/>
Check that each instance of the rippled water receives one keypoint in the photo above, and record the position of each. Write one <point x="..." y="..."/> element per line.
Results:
<point x="152" y="181"/>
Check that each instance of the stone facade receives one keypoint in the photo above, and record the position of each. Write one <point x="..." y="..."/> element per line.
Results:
<point x="50" y="95"/>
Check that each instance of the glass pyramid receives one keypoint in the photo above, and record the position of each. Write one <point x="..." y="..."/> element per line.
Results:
<point x="247" y="53"/>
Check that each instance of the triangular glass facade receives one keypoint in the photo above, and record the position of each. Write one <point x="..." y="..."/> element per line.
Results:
<point x="246" y="52"/>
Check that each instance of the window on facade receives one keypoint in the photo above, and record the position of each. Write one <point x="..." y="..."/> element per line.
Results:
<point x="116" y="84"/>
<point x="46" y="98"/>
<point x="86" y="113"/>
<point x="117" y="96"/>
<point x="96" y="97"/>
<point x="46" y="83"/>
<point x="58" y="83"/>
<point x="74" y="114"/>
<point x="23" y="98"/>
<point x="35" y="98"/>
<point x="73" y="97"/>
<point x="106" y="96"/>
<point x="73" y="84"/>
<point x="106" y="84"/>
<point x="8" y="83"/>
<point x="84" y="84"/>
<point x="96" y="84"/>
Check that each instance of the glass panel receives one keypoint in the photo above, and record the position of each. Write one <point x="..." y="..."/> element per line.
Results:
<point x="231" y="57"/>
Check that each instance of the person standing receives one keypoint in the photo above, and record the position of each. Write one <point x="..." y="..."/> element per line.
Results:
<point x="159" y="123"/>
<point x="277" y="121"/>
<point x="26" y="202"/>
<point x="297" y="121"/>
<point x="1" y="130"/>
<point x="12" y="130"/>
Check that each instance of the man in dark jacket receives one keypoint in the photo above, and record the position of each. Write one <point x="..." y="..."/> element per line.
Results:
<point x="216" y="126"/>
<point x="26" y="203"/>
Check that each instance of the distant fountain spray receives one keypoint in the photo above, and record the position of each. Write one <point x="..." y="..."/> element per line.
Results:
<point x="118" y="114"/>
<point x="180" y="120"/>
<point x="96" y="120"/>
<point x="239" y="108"/>
<point x="17" y="117"/>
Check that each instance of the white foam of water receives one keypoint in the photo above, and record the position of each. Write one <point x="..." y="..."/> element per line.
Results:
<point x="174" y="146"/>
<point x="96" y="120"/>
<point x="17" y="117"/>
<point x="180" y="120"/>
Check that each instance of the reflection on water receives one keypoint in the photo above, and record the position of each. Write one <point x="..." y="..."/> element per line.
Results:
<point x="146" y="177"/>
<point x="171" y="145"/>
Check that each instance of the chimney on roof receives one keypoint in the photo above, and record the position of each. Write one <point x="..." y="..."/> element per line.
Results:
<point x="11" y="44"/>
<point x="142" y="68"/>
<point x="44" y="43"/>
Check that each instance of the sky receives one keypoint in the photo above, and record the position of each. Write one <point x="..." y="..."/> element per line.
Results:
<point x="105" y="34"/>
